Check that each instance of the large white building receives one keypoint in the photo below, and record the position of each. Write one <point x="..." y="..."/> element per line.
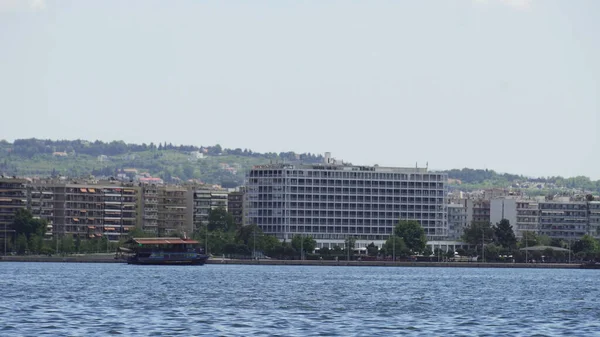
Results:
<point x="332" y="202"/>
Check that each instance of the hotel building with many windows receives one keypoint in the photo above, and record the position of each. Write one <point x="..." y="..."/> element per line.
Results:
<point x="332" y="202"/>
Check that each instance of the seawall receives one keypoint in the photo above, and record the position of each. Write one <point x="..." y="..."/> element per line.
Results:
<point x="395" y="264"/>
<point x="109" y="258"/>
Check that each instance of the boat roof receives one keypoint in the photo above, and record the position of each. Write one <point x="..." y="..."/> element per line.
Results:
<point x="162" y="241"/>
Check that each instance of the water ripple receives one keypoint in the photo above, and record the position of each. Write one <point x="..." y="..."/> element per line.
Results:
<point x="52" y="299"/>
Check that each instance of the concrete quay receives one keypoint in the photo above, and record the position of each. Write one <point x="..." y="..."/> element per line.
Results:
<point x="109" y="258"/>
<point x="394" y="264"/>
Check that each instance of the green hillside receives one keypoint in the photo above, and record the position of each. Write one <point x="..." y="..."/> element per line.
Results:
<point x="33" y="157"/>
<point x="227" y="167"/>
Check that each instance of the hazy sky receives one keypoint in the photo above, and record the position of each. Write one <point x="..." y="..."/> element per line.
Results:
<point x="509" y="85"/>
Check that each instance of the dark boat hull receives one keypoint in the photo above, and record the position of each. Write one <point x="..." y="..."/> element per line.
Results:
<point x="198" y="261"/>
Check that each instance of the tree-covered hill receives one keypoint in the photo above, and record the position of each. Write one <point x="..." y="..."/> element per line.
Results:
<point x="470" y="179"/>
<point x="79" y="158"/>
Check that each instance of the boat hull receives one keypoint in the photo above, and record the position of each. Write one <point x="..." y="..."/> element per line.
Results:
<point x="197" y="261"/>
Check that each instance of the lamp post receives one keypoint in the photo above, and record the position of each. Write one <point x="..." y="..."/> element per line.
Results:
<point x="483" y="245"/>
<point x="301" y="247"/>
<point x="254" y="248"/>
<point x="394" y="250"/>
<point x="569" y="250"/>
<point x="526" y="249"/>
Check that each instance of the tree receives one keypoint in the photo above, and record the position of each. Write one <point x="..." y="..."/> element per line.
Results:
<point x="427" y="251"/>
<point x="477" y="231"/>
<point x="412" y="234"/>
<point x="492" y="252"/>
<point x="350" y="243"/>
<point x="587" y="245"/>
<point x="21" y="244"/>
<point x="395" y="245"/>
<point x="529" y="239"/>
<point x="336" y="250"/>
<point x="297" y="242"/>
<point x="505" y="235"/>
<point x="35" y="244"/>
<point x="309" y="244"/>
<point x="544" y="240"/>
<point x="25" y="224"/>
<point x="137" y="233"/>
<point x="303" y="243"/>
<point x="270" y="245"/>
<point x="220" y="219"/>
<point x="372" y="249"/>
<point x="248" y="234"/>
<point x="67" y="244"/>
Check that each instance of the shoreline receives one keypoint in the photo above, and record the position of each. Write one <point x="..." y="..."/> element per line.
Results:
<point x="217" y="261"/>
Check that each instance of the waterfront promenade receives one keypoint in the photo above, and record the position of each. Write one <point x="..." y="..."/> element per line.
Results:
<point x="109" y="258"/>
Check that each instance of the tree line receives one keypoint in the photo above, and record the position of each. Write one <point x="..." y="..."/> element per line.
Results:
<point x="499" y="243"/>
<point x="28" y="148"/>
<point x="490" y="178"/>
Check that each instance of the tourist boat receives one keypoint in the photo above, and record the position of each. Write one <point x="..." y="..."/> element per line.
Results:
<point x="164" y="251"/>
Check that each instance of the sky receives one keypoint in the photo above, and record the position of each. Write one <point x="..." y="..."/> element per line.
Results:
<point x="508" y="85"/>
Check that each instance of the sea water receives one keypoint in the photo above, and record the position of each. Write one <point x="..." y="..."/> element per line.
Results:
<point x="78" y="299"/>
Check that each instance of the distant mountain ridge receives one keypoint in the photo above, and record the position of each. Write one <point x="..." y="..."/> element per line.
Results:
<point x="210" y="164"/>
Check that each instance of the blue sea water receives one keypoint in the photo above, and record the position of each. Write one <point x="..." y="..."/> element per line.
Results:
<point x="73" y="299"/>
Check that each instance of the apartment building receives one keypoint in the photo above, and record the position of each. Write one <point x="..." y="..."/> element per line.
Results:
<point x="594" y="218"/>
<point x="13" y="196"/>
<point x="41" y="204"/>
<point x="205" y="200"/>
<point x="528" y="217"/>
<point x="478" y="211"/>
<point x="235" y="206"/>
<point x="175" y="210"/>
<point x="331" y="202"/>
<point x="566" y="218"/>
<point x="503" y="208"/>
<point x="150" y="195"/>
<point x="86" y="209"/>
<point x="457" y="220"/>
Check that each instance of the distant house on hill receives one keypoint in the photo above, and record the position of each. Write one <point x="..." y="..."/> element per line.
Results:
<point x="195" y="155"/>
<point x="102" y="158"/>
<point x="60" y="154"/>
<point x="151" y="180"/>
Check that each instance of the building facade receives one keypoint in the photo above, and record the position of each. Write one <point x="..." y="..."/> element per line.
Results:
<point x="150" y="195"/>
<point x="13" y="196"/>
<point x="457" y="220"/>
<point x="175" y="210"/>
<point x="503" y="208"/>
<point x="235" y="206"/>
<point x="332" y="202"/>
<point x="528" y="217"/>
<point x="205" y="200"/>
<point x="94" y="210"/>
<point x="41" y="204"/>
